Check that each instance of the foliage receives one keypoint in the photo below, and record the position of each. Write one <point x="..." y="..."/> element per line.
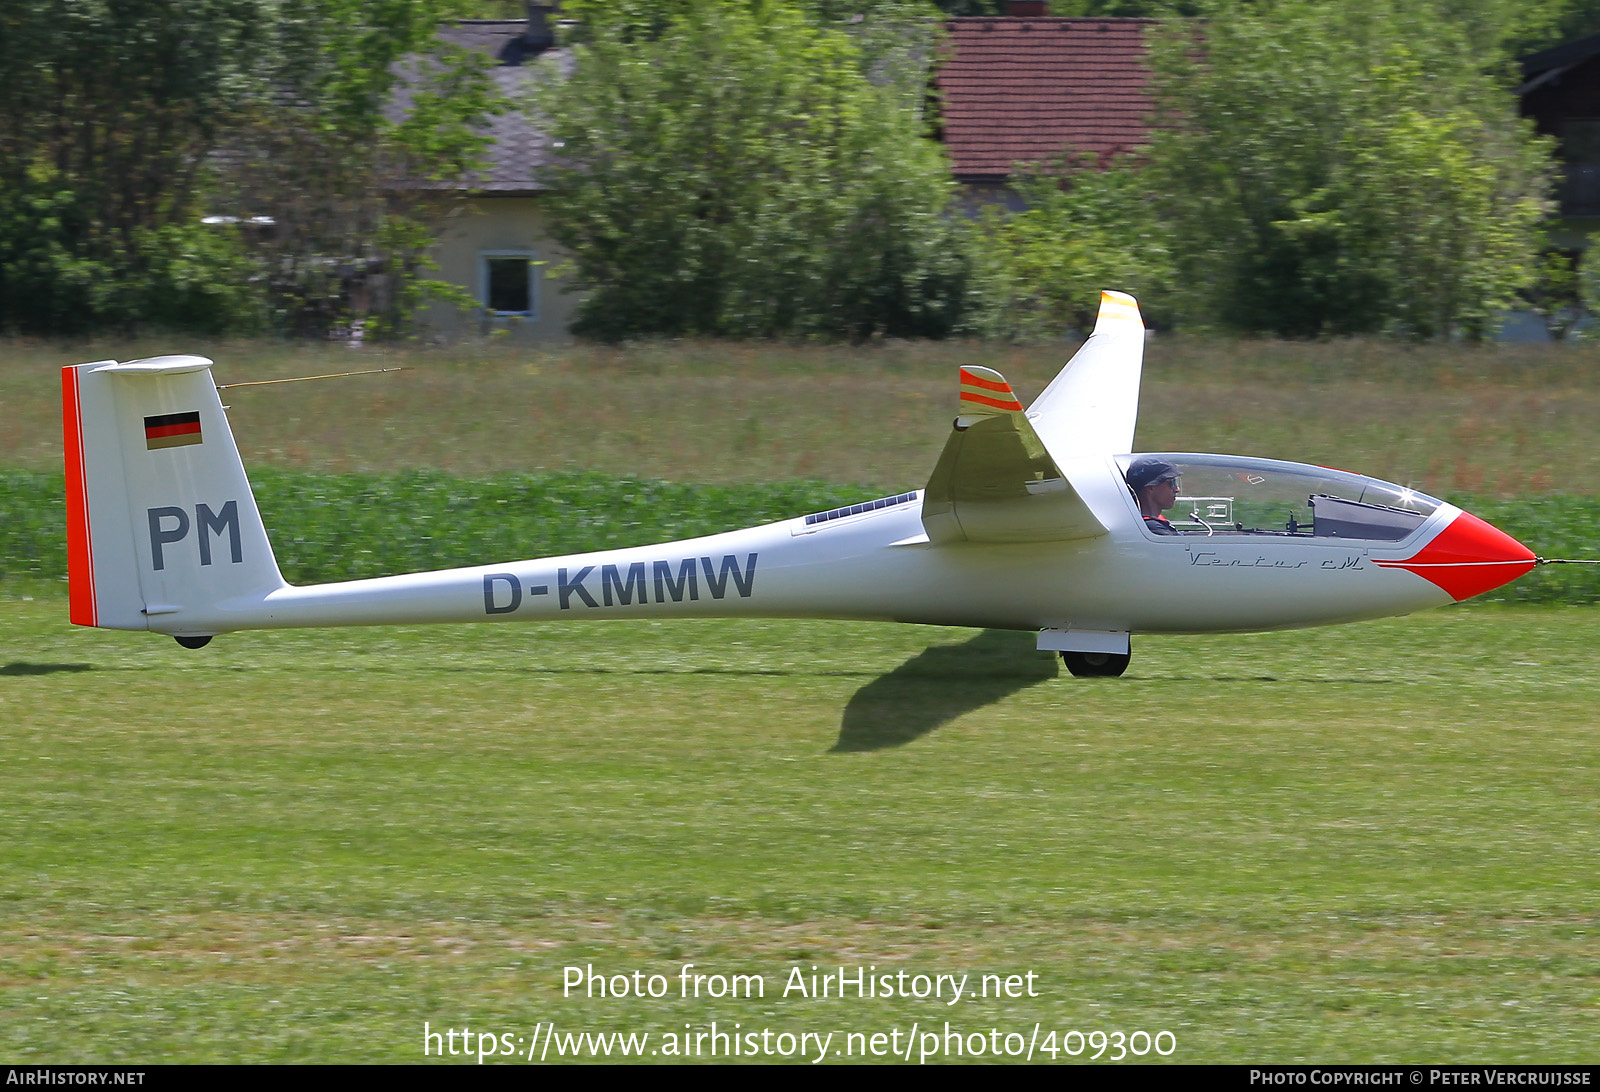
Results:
<point x="1076" y="8"/>
<point x="123" y="122"/>
<point x="738" y="174"/>
<point x="61" y="272"/>
<point x="1513" y="28"/>
<point x="648" y="13"/>
<point x="1566" y="293"/>
<point x="108" y="111"/>
<point x="1558" y="294"/>
<point x="1344" y="168"/>
<point x="1082" y="229"/>
<point x="362" y="112"/>
<point x="895" y="37"/>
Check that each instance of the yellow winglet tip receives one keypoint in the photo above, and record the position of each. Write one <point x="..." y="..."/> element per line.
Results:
<point x="1118" y="306"/>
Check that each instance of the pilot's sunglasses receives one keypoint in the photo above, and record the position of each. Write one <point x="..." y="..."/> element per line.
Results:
<point x="1167" y="481"/>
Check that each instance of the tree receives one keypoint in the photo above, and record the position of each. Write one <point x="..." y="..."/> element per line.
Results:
<point x="729" y="169"/>
<point x="124" y="122"/>
<point x="1083" y="228"/>
<point x="1343" y="168"/>
<point x="363" y="123"/>
<point x="108" y="111"/>
<point x="1512" y="28"/>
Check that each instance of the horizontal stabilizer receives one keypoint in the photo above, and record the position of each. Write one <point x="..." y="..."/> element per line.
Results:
<point x="994" y="481"/>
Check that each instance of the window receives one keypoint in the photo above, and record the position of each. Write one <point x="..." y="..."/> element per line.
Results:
<point x="1229" y="495"/>
<point x="507" y="283"/>
<point x="1580" y="140"/>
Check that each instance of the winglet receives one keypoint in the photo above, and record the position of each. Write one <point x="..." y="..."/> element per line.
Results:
<point x="1117" y="307"/>
<point x="1091" y="407"/>
<point x="984" y="390"/>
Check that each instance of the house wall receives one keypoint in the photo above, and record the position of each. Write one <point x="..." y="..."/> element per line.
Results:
<point x="1568" y="108"/>
<point x="499" y="226"/>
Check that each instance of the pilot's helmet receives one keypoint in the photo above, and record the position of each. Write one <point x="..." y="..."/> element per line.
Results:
<point x="1149" y="469"/>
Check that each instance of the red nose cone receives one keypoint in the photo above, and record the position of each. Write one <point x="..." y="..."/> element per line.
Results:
<point x="1468" y="557"/>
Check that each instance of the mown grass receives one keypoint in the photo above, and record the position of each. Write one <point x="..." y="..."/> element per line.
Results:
<point x="1498" y="421"/>
<point x="346" y="526"/>
<point x="1375" y="843"/>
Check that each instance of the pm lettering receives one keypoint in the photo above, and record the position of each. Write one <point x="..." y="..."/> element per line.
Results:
<point x="227" y="520"/>
<point x="169" y="525"/>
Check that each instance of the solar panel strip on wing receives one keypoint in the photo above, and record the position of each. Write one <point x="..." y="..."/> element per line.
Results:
<point x="858" y="509"/>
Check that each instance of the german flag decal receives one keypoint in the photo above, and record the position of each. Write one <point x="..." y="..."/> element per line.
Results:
<point x="172" y="430"/>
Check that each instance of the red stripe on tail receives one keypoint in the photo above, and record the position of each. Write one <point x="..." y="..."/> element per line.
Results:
<point x="80" y="549"/>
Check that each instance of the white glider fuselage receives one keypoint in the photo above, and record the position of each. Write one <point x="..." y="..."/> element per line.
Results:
<point x="880" y="566"/>
<point x="1028" y="522"/>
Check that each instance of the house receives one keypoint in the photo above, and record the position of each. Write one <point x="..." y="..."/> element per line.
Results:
<point x="1026" y="87"/>
<point x="496" y="247"/>
<point x="1560" y="92"/>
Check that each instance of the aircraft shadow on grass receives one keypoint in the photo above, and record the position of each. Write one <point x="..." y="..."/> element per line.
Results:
<point x="20" y="668"/>
<point x="938" y="685"/>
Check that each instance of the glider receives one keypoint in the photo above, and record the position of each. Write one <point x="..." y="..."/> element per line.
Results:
<point x="1033" y="518"/>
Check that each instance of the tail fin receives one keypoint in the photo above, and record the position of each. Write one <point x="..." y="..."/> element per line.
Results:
<point x="1091" y="407"/>
<point x="160" y="517"/>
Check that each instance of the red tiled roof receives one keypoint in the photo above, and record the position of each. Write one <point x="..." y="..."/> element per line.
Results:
<point x="1020" y="90"/>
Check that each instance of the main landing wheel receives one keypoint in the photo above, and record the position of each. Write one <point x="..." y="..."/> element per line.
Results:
<point x="1096" y="664"/>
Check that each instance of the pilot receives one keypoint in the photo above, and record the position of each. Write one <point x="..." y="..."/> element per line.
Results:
<point x="1155" y="484"/>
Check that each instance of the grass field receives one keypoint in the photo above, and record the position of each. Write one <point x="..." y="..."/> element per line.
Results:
<point x="1495" y="421"/>
<point x="1375" y="843"/>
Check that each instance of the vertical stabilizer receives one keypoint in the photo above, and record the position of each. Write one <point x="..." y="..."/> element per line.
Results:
<point x="160" y="516"/>
<point x="1091" y="407"/>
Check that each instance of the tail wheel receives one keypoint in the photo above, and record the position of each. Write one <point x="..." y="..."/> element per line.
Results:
<point x="1096" y="664"/>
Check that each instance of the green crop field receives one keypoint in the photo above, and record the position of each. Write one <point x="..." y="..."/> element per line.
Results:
<point x="1360" y="844"/>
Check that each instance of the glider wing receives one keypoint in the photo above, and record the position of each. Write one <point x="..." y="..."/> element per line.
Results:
<point x="1091" y="406"/>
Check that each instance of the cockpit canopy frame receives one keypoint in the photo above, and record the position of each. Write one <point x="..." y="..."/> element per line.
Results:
<point x="1240" y="496"/>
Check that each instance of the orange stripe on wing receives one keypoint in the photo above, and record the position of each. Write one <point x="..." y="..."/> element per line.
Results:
<point x="80" y="549"/>
<point x="985" y="400"/>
